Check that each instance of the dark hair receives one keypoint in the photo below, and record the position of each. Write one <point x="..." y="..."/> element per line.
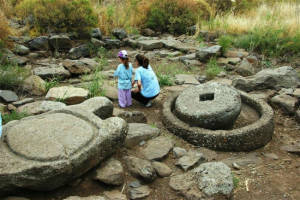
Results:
<point x="142" y="60"/>
<point x="126" y="61"/>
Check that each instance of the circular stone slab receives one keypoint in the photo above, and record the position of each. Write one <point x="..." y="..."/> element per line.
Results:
<point x="58" y="142"/>
<point x="211" y="105"/>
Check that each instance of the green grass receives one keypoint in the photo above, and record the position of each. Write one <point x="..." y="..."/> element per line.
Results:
<point x="212" y="69"/>
<point x="236" y="181"/>
<point x="225" y="42"/>
<point x="12" y="76"/>
<point x="95" y="87"/>
<point x="165" y="80"/>
<point x="51" y="83"/>
<point x="13" y="116"/>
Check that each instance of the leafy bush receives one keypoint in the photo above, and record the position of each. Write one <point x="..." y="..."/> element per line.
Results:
<point x="212" y="69"/>
<point x="175" y="16"/>
<point x="13" y="116"/>
<point x="58" y="15"/>
<point x="12" y="77"/>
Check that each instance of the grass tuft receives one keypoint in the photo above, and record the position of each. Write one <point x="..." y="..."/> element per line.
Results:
<point x="13" y="116"/>
<point x="212" y="69"/>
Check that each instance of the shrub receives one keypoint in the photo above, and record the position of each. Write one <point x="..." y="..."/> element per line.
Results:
<point x="12" y="77"/>
<point x="95" y="87"/>
<point x="225" y="42"/>
<point x="58" y="15"/>
<point x="175" y="16"/>
<point x="212" y="69"/>
<point x="13" y="116"/>
<point x="4" y="30"/>
<point x="165" y="80"/>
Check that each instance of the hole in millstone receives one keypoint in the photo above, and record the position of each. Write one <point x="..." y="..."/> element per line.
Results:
<point x="207" y="97"/>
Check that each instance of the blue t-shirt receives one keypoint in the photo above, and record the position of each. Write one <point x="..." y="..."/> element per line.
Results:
<point x="0" y="125"/>
<point x="124" y="76"/>
<point x="150" y="85"/>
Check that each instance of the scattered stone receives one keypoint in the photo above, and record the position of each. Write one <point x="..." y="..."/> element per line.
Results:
<point x="141" y="168"/>
<point x="191" y="56"/>
<point x="158" y="148"/>
<point x="21" y="50"/>
<point x="119" y="33"/>
<point x="165" y="53"/>
<point x="162" y="169"/>
<point x="201" y="79"/>
<point x="283" y="77"/>
<point x="60" y="42"/>
<point x="18" y="60"/>
<point x="286" y="102"/>
<point x="192" y="62"/>
<point x="11" y="107"/>
<point x="183" y="183"/>
<point x="296" y="93"/>
<point x="231" y="61"/>
<point x="245" y="68"/>
<point x="244" y="161"/>
<point x="112" y="43"/>
<point x="33" y="56"/>
<point x="15" y="198"/>
<point x="80" y="51"/>
<point x="8" y="96"/>
<point x="110" y="92"/>
<point x="96" y="33"/>
<point x="148" y="32"/>
<point x="50" y="71"/>
<point x="90" y="63"/>
<point x="272" y="156"/>
<point x="298" y="116"/>
<point x="97" y="43"/>
<point x="59" y="146"/>
<point x="76" y="67"/>
<point x="114" y="195"/>
<point x="191" y="159"/>
<point x="293" y="148"/>
<point x="205" y="53"/>
<point x="70" y="95"/>
<point x="179" y="152"/>
<point x="39" y="43"/>
<point x="149" y="45"/>
<point x="236" y="54"/>
<point x="171" y="43"/>
<point x="34" y="85"/>
<point x="140" y="192"/>
<point x="181" y="79"/>
<point x="214" y="178"/>
<point x="138" y="132"/>
<point x="236" y="166"/>
<point x="111" y="173"/>
<point x="287" y="91"/>
<point x="263" y="95"/>
<point x="131" y="117"/>
<point x="40" y="107"/>
<point x="86" y="198"/>
<point x="23" y="101"/>
<point x="253" y="60"/>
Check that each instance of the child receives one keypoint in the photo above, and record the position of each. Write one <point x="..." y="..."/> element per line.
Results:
<point x="124" y="74"/>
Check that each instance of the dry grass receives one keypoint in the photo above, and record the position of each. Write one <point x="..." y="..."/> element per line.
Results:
<point x="280" y="15"/>
<point x="4" y="28"/>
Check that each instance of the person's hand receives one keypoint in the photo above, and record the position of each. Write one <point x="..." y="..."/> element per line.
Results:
<point x="136" y="90"/>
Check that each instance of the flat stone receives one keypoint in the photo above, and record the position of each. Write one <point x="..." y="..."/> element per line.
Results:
<point x="40" y="107"/>
<point x="186" y="79"/>
<point x="34" y="85"/>
<point x="162" y="169"/>
<point x="111" y="92"/>
<point x="293" y="148"/>
<point x="39" y="43"/>
<point x="205" y="53"/>
<point x="179" y="152"/>
<point x="138" y="132"/>
<point x="15" y="198"/>
<point x="8" y="96"/>
<point x="158" y="148"/>
<point x="97" y="43"/>
<point x="112" y="43"/>
<point x="263" y="95"/>
<point x="21" y="50"/>
<point x="191" y="159"/>
<point x="119" y="33"/>
<point x="70" y="95"/>
<point x="149" y="45"/>
<point x="298" y="115"/>
<point x="96" y="33"/>
<point x="131" y="117"/>
<point x="50" y="71"/>
<point x="286" y="102"/>
<point x="177" y="45"/>
<point x="114" y="195"/>
<point x="141" y="168"/>
<point x="80" y="51"/>
<point x="139" y="193"/>
<point x="85" y="198"/>
<point x="60" y="42"/>
<point x="23" y="101"/>
<point x="296" y="93"/>
<point x="232" y="61"/>
<point x="111" y="173"/>
<point x="47" y="151"/>
<point x="192" y="62"/>
<point x="165" y="53"/>
<point x="211" y="105"/>
<point x="244" y="161"/>
<point x="245" y="68"/>
<point x="236" y="54"/>
<point x="282" y="77"/>
<point x="90" y="63"/>
<point x="76" y="67"/>
<point x="272" y="156"/>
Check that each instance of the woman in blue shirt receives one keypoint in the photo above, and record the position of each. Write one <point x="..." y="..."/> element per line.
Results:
<point x="148" y="86"/>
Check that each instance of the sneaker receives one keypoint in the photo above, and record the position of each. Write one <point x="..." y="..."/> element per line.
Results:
<point x="149" y="104"/>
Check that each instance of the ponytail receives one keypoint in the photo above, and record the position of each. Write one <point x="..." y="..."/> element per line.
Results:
<point x="142" y="60"/>
<point x="125" y="62"/>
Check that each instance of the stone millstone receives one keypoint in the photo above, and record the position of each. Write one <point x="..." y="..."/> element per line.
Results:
<point x="211" y="105"/>
<point x="47" y="151"/>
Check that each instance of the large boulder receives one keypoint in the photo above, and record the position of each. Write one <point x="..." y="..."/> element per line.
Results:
<point x="34" y="85"/>
<point x="51" y="70"/>
<point x="245" y="68"/>
<point x="40" y="107"/>
<point x="112" y="43"/>
<point x="47" y="151"/>
<point x="158" y="148"/>
<point x="8" y="96"/>
<point x="171" y="43"/>
<point x="96" y="33"/>
<point x="211" y="180"/>
<point x="205" y="53"/>
<point x="285" y="102"/>
<point x="80" y="51"/>
<point x="282" y="77"/>
<point x="150" y="44"/>
<point x="60" y="42"/>
<point x="76" y="67"/>
<point x="119" y="33"/>
<point x="39" y="43"/>
<point x="21" y="50"/>
<point x="70" y="95"/>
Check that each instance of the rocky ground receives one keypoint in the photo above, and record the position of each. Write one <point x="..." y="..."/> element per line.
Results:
<point x="150" y="163"/>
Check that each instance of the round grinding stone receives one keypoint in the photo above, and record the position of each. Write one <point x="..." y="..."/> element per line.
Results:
<point x="211" y="106"/>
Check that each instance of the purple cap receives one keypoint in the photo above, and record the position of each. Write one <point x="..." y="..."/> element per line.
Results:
<point x="123" y="54"/>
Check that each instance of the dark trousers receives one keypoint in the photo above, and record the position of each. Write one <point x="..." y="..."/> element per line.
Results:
<point x="140" y="98"/>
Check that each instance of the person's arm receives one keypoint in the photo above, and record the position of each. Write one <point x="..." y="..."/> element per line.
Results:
<point x="137" y="79"/>
<point x="116" y="73"/>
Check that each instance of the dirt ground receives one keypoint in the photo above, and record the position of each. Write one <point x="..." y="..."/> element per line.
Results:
<point x="260" y="177"/>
